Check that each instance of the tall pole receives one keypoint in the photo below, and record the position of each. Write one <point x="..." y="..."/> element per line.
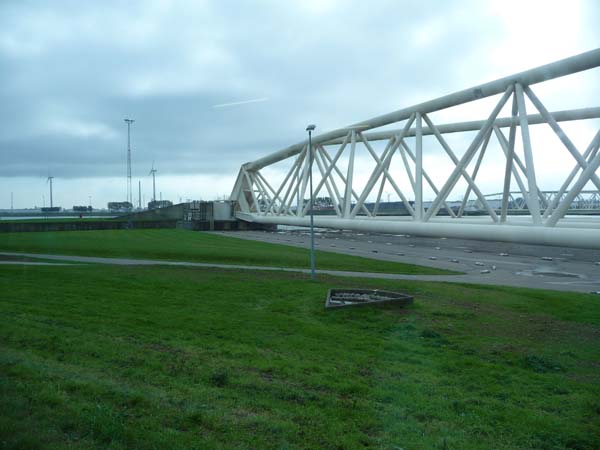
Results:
<point x="313" y="275"/>
<point x="129" y="190"/>
<point x="50" y="180"/>
<point x="153" y="186"/>
<point x="11" y="201"/>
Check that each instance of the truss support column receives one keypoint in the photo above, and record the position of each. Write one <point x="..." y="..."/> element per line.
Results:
<point x="510" y="151"/>
<point x="418" y="168"/>
<point x="349" y="176"/>
<point x="532" y="197"/>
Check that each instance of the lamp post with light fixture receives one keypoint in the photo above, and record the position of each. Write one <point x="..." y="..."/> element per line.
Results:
<point x="313" y="275"/>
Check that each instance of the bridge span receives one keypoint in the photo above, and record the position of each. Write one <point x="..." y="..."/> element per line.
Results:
<point x="411" y="154"/>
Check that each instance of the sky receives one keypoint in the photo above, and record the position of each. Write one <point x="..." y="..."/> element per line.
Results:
<point x="214" y="84"/>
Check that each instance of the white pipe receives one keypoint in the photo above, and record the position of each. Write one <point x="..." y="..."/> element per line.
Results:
<point x="475" y="125"/>
<point x="566" y="237"/>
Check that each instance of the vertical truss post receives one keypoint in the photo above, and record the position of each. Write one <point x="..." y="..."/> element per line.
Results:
<point x="532" y="197"/>
<point x="348" y="195"/>
<point x="510" y="151"/>
<point x="418" y="187"/>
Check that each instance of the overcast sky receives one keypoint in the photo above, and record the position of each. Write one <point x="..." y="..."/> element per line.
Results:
<point x="214" y="84"/>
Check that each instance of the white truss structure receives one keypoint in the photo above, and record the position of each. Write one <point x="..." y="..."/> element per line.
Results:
<point x="401" y="161"/>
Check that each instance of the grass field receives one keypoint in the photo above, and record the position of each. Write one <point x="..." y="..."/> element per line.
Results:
<point x="180" y="245"/>
<point x="145" y="357"/>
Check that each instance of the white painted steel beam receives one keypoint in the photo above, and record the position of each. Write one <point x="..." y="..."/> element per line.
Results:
<point x="567" y="115"/>
<point x="567" y="237"/>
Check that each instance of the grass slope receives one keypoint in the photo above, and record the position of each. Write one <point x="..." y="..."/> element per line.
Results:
<point x="180" y="245"/>
<point x="146" y="357"/>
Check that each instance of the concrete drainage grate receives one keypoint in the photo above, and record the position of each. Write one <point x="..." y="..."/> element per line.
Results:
<point x="340" y="298"/>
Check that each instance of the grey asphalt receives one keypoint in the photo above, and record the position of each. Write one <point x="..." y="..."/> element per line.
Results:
<point x="483" y="262"/>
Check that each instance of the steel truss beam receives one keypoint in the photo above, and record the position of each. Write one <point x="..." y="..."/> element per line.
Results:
<point x="342" y="175"/>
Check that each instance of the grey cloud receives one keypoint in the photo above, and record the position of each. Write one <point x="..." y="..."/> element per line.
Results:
<point x="165" y="64"/>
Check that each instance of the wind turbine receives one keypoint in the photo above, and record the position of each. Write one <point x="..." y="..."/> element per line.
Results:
<point x="153" y="172"/>
<point x="49" y="179"/>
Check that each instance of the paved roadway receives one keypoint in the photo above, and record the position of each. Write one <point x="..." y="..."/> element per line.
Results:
<point x="536" y="266"/>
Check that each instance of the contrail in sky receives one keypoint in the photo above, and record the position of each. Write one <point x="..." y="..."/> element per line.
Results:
<point x="243" y="102"/>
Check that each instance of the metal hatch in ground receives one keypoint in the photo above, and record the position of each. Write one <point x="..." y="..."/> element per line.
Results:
<point x="339" y="298"/>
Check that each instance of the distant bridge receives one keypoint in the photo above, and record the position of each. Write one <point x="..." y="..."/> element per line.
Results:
<point x="355" y="164"/>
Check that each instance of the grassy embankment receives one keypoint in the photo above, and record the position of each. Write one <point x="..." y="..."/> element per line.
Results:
<point x="165" y="357"/>
<point x="180" y="245"/>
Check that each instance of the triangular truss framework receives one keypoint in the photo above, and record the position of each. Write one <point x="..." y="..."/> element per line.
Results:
<point x="322" y="161"/>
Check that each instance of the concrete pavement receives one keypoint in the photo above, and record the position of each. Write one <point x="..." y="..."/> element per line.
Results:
<point x="483" y="262"/>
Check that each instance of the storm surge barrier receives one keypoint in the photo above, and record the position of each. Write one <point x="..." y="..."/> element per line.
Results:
<point x="412" y="155"/>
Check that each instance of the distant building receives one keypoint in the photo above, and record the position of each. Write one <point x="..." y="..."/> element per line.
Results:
<point x="81" y="209"/>
<point x="120" y="206"/>
<point x="51" y="209"/>
<point x="156" y="204"/>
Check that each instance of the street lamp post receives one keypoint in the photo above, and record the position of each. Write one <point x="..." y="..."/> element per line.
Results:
<point x="129" y="190"/>
<point x="313" y="274"/>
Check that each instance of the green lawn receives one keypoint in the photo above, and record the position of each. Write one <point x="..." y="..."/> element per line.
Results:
<point x="180" y="358"/>
<point x="181" y="245"/>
